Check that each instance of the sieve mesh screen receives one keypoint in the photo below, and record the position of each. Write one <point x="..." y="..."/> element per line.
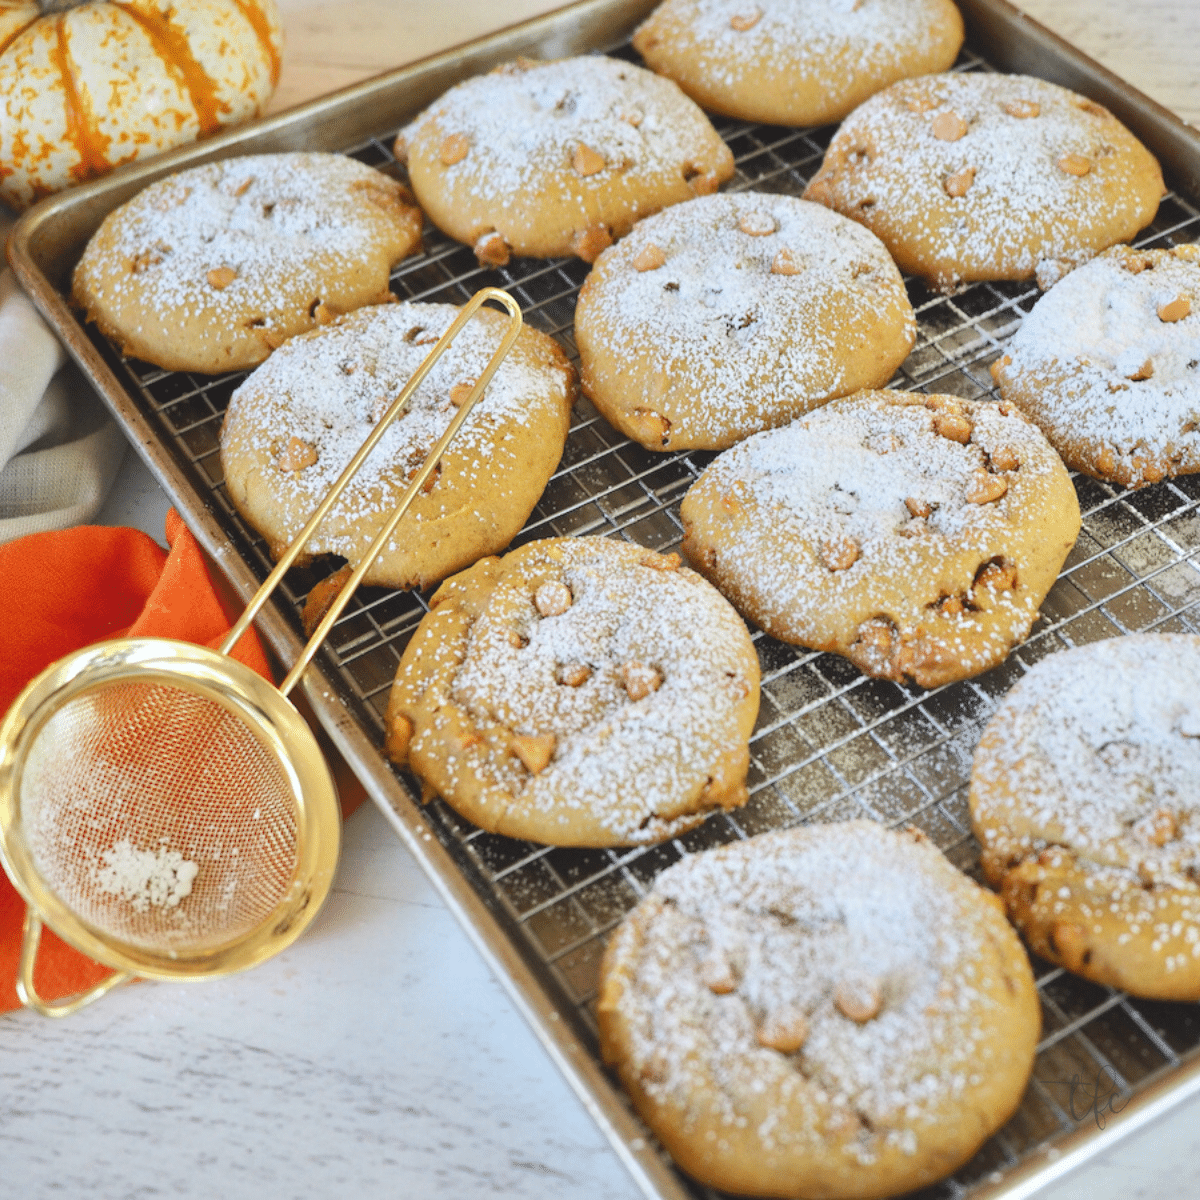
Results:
<point x="158" y="817"/>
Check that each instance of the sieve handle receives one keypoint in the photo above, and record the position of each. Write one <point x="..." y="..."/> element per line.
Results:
<point x="432" y="459"/>
<point x="27" y="992"/>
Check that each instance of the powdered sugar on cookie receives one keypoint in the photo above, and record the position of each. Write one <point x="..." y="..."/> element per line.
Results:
<point x="1108" y="365"/>
<point x="911" y="533"/>
<point x="293" y="426"/>
<point x="622" y="718"/>
<point x="761" y="308"/>
<point x="1097" y="743"/>
<point x="831" y="991"/>
<point x="982" y="176"/>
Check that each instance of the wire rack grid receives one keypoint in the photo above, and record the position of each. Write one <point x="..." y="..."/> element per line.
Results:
<point x="830" y="744"/>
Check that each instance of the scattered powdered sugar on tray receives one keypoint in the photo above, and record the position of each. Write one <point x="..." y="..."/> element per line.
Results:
<point x="160" y="877"/>
<point x="1096" y="329"/>
<point x="792" y="932"/>
<point x="1096" y="743"/>
<point x="526" y="122"/>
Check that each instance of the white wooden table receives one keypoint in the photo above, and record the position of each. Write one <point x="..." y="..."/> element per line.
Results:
<point x="377" y="1057"/>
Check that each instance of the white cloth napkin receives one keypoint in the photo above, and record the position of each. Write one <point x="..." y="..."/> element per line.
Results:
<point x="59" y="449"/>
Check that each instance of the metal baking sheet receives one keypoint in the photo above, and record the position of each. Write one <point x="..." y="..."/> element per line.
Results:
<point x="830" y="743"/>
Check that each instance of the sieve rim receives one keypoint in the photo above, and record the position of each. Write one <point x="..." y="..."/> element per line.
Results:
<point x="279" y="728"/>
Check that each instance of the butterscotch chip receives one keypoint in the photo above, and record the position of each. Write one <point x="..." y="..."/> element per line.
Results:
<point x="858" y="998"/>
<point x="552" y="599"/>
<point x="297" y="455"/>
<point x="785" y="1031"/>
<point x="321" y="599"/>
<point x="800" y="63"/>
<point x="492" y="250"/>
<point x="590" y="242"/>
<point x="986" y="489"/>
<point x="657" y="650"/>
<point x="1113" y="384"/>
<point x="948" y="127"/>
<point x="846" y="473"/>
<point x="1074" y="164"/>
<point x="460" y="393"/>
<point x="746" y="20"/>
<point x="718" y="974"/>
<point x="298" y="232"/>
<point x="650" y="258"/>
<point x="454" y="149"/>
<point x="761" y="1091"/>
<point x="1023" y="110"/>
<point x="576" y="674"/>
<point x="587" y="161"/>
<point x="1007" y="199"/>
<point x="534" y="750"/>
<point x="640" y="680"/>
<point x="953" y="426"/>
<point x="959" y="184"/>
<point x="564" y="156"/>
<point x="662" y="562"/>
<point x="1085" y="795"/>
<point x="1175" y="310"/>
<point x="784" y="263"/>
<point x="1005" y="458"/>
<point x="730" y="336"/>
<point x="757" y="224"/>
<point x="332" y="386"/>
<point x="840" y="553"/>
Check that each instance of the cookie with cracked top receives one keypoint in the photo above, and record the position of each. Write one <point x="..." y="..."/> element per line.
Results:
<point x="556" y="158"/>
<point x="1085" y="797"/>
<point x="1108" y="365"/>
<point x="734" y="313"/>
<point x="832" y="1010"/>
<point x="796" y="62"/>
<point x="211" y="269"/>
<point x="578" y="692"/>
<point x="971" y="176"/>
<point x="916" y="535"/>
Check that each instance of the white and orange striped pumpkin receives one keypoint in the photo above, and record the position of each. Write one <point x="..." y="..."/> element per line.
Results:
<point x="86" y="86"/>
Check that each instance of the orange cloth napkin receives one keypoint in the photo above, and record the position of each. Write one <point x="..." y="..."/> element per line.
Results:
<point x="70" y="588"/>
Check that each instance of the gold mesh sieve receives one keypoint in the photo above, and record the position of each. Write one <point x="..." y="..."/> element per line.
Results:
<point x="166" y="810"/>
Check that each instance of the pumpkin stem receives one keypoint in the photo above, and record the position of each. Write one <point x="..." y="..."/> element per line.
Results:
<point x="57" y="6"/>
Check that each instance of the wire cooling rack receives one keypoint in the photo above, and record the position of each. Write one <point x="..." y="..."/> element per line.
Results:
<point x="830" y="744"/>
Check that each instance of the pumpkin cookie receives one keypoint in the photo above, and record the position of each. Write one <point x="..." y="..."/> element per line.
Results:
<point x="734" y="313"/>
<point x="211" y="269"/>
<point x="969" y="177"/>
<point x="558" y="157"/>
<point x="796" y="62"/>
<point x="1085" y="795"/>
<point x="578" y="692"/>
<point x="292" y="427"/>
<point x="826" y="1011"/>
<point x="1108" y="365"/>
<point x="916" y="535"/>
